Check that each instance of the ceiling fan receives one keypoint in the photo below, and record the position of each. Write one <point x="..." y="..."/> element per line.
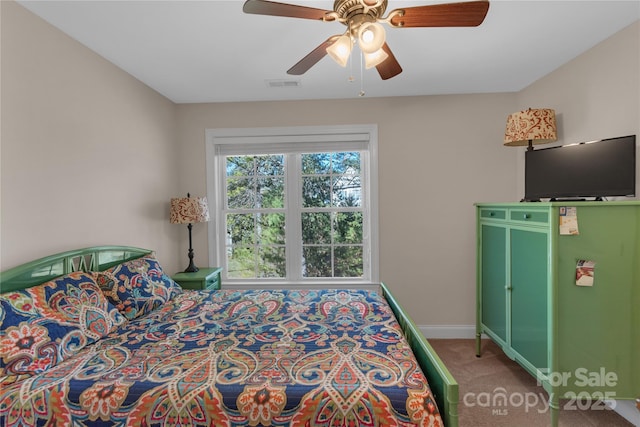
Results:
<point x="363" y="18"/>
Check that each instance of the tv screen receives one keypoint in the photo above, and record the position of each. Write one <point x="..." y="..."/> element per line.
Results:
<point x="598" y="169"/>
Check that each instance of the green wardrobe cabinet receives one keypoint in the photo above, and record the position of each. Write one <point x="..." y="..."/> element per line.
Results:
<point x="580" y="342"/>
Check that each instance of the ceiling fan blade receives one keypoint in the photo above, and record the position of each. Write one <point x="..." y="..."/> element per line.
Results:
<point x="312" y="58"/>
<point x="264" y="7"/>
<point x="464" y="14"/>
<point x="390" y="66"/>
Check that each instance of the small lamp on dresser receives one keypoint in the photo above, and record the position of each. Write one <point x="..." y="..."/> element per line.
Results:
<point x="189" y="210"/>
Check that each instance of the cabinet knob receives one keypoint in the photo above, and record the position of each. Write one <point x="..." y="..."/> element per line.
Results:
<point x="508" y="287"/>
<point x="492" y="214"/>
<point x="527" y="216"/>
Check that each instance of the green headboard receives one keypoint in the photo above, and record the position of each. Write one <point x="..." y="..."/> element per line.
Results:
<point x="97" y="258"/>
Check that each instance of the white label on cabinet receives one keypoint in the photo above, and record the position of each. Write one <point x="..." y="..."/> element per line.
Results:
<point x="569" y="220"/>
<point x="584" y="273"/>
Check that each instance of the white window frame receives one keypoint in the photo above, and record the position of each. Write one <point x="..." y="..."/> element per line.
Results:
<point x="247" y="141"/>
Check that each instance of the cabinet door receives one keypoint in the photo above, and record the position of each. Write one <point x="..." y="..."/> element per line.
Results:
<point x="493" y="259"/>
<point x="529" y="289"/>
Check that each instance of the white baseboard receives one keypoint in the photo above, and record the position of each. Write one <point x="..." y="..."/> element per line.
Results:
<point x="626" y="408"/>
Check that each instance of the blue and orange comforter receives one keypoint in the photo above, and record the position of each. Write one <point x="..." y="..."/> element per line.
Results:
<point x="236" y="358"/>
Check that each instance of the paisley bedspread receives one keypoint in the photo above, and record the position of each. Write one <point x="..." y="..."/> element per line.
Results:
<point x="237" y="358"/>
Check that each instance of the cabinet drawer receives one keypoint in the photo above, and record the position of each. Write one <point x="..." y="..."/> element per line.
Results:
<point x="526" y="215"/>
<point x="205" y="278"/>
<point x="493" y="213"/>
<point x="212" y="282"/>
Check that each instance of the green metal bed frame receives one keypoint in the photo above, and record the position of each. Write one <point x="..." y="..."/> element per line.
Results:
<point x="443" y="386"/>
<point x="99" y="258"/>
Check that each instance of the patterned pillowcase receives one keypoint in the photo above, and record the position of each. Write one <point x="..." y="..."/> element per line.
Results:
<point x="138" y="286"/>
<point x="45" y="324"/>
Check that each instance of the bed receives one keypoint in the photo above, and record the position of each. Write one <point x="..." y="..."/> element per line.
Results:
<point x="102" y="336"/>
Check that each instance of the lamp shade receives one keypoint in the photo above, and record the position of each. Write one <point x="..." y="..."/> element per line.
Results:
<point x="189" y="210"/>
<point x="531" y="127"/>
<point x="340" y="50"/>
<point x="375" y="58"/>
<point x="371" y="37"/>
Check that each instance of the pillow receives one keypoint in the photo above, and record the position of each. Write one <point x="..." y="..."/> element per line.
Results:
<point x="138" y="286"/>
<point x="48" y="323"/>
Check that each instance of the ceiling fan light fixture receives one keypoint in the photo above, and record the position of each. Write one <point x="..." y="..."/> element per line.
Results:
<point x="371" y="37"/>
<point x="340" y="50"/>
<point x="376" y="58"/>
<point x="363" y="19"/>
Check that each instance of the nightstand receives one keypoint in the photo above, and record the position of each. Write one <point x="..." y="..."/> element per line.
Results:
<point x="205" y="278"/>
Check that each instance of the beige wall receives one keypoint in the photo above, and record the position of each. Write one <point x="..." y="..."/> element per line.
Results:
<point x="83" y="143"/>
<point x="88" y="152"/>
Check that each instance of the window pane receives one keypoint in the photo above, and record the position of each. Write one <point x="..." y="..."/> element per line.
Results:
<point x="346" y="163"/>
<point x="317" y="261"/>
<point x="348" y="228"/>
<point x="346" y="190"/>
<point x="270" y="229"/>
<point x="348" y="261"/>
<point x="316" y="163"/>
<point x="241" y="263"/>
<point x="270" y="193"/>
<point x="270" y="165"/>
<point x="241" y="229"/>
<point x="272" y="262"/>
<point x="241" y="193"/>
<point x="316" y="227"/>
<point x="316" y="191"/>
<point x="240" y="166"/>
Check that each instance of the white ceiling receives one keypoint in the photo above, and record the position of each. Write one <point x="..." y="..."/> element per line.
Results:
<point x="210" y="51"/>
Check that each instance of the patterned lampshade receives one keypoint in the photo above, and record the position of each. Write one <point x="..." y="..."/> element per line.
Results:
<point x="189" y="210"/>
<point x="531" y="127"/>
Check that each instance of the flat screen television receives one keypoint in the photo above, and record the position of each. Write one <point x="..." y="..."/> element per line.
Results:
<point x="604" y="168"/>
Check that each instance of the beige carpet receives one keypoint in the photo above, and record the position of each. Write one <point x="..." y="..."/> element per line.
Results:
<point x="482" y="380"/>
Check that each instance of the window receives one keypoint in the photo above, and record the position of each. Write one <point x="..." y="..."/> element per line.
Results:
<point x="293" y="205"/>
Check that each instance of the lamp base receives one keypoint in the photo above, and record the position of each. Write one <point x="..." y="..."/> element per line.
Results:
<point x="192" y="267"/>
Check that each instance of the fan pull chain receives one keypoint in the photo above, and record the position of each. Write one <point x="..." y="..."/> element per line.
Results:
<point x="361" y="75"/>
<point x="351" y="78"/>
